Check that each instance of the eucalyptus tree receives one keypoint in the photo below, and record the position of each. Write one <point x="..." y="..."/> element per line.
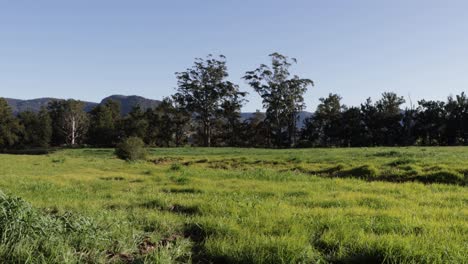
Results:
<point x="231" y="113"/>
<point x="463" y="101"/>
<point x="180" y="120"/>
<point x="10" y="128"/>
<point x="456" y="119"/>
<point x="203" y="89"/>
<point x="70" y="121"/>
<point x="255" y="132"/>
<point x="37" y="130"/>
<point x="104" y="120"/>
<point x="352" y="128"/>
<point x="167" y="124"/>
<point x="282" y="94"/>
<point x="325" y="126"/>
<point x="390" y="116"/>
<point x="430" y="122"/>
<point x="135" y="124"/>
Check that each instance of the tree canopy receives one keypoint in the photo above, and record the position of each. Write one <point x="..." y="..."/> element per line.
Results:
<point x="205" y="110"/>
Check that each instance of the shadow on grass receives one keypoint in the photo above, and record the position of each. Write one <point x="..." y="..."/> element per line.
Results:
<point x="30" y="151"/>
<point x="401" y="170"/>
<point x="173" y="208"/>
<point x="183" y="190"/>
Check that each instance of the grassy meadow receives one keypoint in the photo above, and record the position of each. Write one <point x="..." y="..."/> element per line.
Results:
<point x="229" y="205"/>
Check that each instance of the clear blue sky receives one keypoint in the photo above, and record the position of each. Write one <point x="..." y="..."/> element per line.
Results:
<point x="89" y="49"/>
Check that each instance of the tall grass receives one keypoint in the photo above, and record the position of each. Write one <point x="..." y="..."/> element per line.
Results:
<point x="381" y="205"/>
<point x="30" y="236"/>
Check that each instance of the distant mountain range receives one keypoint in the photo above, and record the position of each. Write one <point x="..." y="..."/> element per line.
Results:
<point x="126" y="104"/>
<point x="18" y="105"/>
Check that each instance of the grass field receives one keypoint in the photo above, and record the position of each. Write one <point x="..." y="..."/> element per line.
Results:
<point x="227" y="205"/>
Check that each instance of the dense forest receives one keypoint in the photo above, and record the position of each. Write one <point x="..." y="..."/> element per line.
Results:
<point x="206" y="111"/>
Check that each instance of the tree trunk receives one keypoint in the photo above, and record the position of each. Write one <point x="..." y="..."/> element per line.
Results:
<point x="278" y="131"/>
<point x="294" y="130"/>
<point x="206" y="134"/>
<point x="73" y="132"/>
<point x="209" y="136"/>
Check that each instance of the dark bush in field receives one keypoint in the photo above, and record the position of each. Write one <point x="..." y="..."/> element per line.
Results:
<point x="176" y="166"/>
<point x="131" y="149"/>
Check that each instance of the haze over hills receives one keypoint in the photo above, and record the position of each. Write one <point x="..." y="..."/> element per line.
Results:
<point x="126" y="104"/>
<point x="18" y="105"/>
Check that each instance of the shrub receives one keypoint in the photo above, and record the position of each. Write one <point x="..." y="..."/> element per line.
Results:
<point x="131" y="149"/>
<point x="175" y="167"/>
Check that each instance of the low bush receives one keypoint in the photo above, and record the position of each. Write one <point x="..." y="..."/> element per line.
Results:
<point x="131" y="149"/>
<point x="176" y="167"/>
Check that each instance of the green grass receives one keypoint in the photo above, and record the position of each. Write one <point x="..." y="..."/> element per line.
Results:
<point x="228" y="205"/>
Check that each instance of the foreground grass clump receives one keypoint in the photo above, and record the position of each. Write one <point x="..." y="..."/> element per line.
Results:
<point x="29" y="236"/>
<point x="131" y="149"/>
<point x="231" y="205"/>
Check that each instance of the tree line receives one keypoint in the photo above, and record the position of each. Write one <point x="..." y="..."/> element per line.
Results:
<point x="206" y="111"/>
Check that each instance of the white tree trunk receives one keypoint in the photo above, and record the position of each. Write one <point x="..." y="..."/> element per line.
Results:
<point x="73" y="132"/>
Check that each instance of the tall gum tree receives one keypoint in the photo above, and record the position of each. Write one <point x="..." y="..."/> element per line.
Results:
<point x="70" y="121"/>
<point x="203" y="90"/>
<point x="283" y="95"/>
<point x="9" y="126"/>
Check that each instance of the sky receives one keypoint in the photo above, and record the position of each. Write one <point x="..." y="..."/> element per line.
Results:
<point x="90" y="49"/>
